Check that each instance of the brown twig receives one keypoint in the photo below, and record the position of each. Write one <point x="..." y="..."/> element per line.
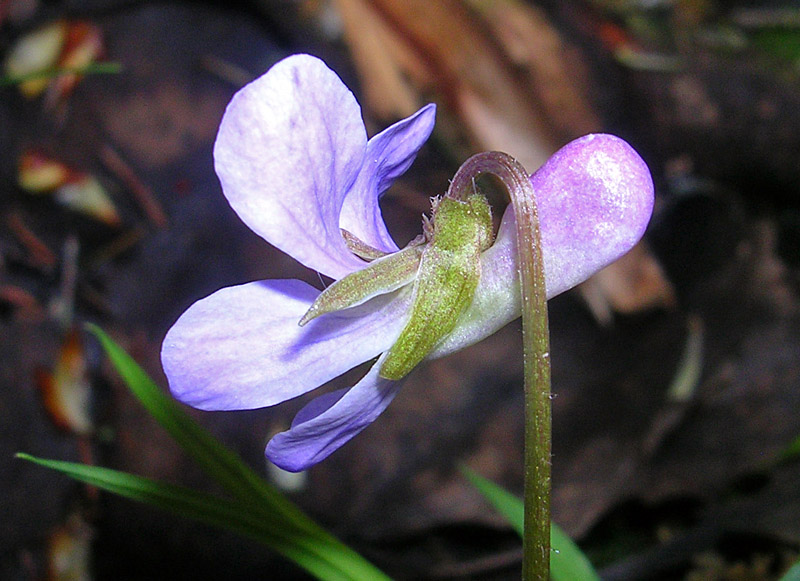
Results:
<point x="226" y="70"/>
<point x="21" y="300"/>
<point x="39" y="253"/>
<point x="117" y="246"/>
<point x="142" y="192"/>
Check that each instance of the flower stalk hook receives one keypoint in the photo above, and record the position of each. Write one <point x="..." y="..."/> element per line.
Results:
<point x="536" y="349"/>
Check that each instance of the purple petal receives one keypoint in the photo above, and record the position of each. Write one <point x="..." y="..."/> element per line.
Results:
<point x="290" y="146"/>
<point x="241" y="347"/>
<point x="595" y="198"/>
<point x="389" y="155"/>
<point x="330" y="421"/>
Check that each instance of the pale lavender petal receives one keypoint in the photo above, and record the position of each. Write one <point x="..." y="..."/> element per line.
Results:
<point x="290" y="146"/>
<point x="389" y="155"/>
<point x="318" y="405"/>
<point x="595" y="198"/>
<point x="330" y="421"/>
<point x="241" y="347"/>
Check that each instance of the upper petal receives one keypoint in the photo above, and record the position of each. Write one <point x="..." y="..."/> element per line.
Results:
<point x="241" y="347"/>
<point x="330" y="421"/>
<point x="389" y="155"/>
<point x="595" y="198"/>
<point x="290" y="146"/>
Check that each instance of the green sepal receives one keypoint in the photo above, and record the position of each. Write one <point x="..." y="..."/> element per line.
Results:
<point x="448" y="275"/>
<point x="383" y="275"/>
<point x="361" y="248"/>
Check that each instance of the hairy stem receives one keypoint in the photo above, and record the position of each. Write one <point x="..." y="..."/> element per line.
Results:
<point x="536" y="349"/>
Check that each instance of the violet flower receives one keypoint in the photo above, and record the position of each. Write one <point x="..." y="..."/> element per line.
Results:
<point x="296" y="166"/>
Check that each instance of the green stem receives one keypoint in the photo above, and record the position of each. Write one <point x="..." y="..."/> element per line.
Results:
<point x="536" y="350"/>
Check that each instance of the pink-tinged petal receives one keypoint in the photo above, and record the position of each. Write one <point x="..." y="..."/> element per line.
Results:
<point x="241" y="347"/>
<point x="330" y="421"/>
<point x="595" y="198"/>
<point x="389" y="155"/>
<point x="595" y="203"/>
<point x="290" y="146"/>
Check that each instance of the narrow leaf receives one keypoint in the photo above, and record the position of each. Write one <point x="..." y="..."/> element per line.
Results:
<point x="274" y="532"/>
<point x="226" y="468"/>
<point x="792" y="574"/>
<point x="789" y="453"/>
<point x="220" y="463"/>
<point x="567" y="561"/>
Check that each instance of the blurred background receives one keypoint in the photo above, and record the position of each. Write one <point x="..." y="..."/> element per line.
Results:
<point x="676" y="370"/>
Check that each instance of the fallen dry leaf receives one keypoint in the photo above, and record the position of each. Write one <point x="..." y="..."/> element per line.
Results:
<point x="77" y="190"/>
<point x="66" y="390"/>
<point x="87" y="195"/>
<point x="636" y="282"/>
<point x="38" y="173"/>
<point x="36" y="51"/>
<point x="63" y="44"/>
<point x="446" y="48"/>
<point x="69" y="551"/>
<point x="83" y="45"/>
<point x="553" y="69"/>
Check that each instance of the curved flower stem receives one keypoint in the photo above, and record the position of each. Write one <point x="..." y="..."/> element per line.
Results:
<point x="536" y="349"/>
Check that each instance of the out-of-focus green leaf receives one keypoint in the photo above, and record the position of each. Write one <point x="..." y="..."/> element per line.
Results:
<point x="502" y="500"/>
<point x="792" y="574"/>
<point x="567" y="561"/>
<point x="790" y="452"/>
<point x="781" y="43"/>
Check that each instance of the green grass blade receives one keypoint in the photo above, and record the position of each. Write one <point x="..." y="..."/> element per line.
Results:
<point x="789" y="453"/>
<point x="567" y="561"/>
<point x="225" y="467"/>
<point x="793" y="574"/>
<point x="91" y="69"/>
<point x="273" y="532"/>
<point x="510" y="506"/>
<point x="217" y="461"/>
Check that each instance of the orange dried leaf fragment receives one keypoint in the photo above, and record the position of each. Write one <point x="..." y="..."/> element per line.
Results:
<point x="66" y="390"/>
<point x="37" y="51"/>
<point x="77" y="190"/>
<point x="69" y="551"/>
<point x="83" y="46"/>
<point x="38" y="57"/>
<point x="635" y="283"/>
<point x="39" y="174"/>
<point x="87" y="195"/>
